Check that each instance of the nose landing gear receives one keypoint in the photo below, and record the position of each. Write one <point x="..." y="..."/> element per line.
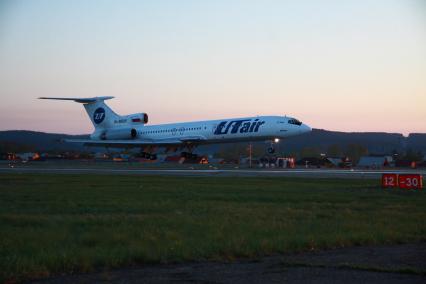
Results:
<point x="271" y="149"/>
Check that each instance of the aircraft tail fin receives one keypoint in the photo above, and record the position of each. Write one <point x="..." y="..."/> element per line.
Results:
<point x="101" y="115"/>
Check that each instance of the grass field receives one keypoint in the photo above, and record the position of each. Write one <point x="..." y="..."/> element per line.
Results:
<point x="51" y="224"/>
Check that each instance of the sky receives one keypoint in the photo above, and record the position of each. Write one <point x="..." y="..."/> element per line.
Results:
<point x="336" y="65"/>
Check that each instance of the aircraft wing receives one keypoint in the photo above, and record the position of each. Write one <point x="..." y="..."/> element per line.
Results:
<point x="139" y="143"/>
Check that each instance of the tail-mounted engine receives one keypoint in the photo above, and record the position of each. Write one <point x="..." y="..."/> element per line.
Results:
<point x="118" y="134"/>
<point x="138" y="118"/>
<point x="125" y="128"/>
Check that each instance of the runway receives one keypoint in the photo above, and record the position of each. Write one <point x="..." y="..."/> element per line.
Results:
<point x="305" y="173"/>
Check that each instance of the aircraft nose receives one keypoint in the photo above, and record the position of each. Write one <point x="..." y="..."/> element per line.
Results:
<point x="306" y="128"/>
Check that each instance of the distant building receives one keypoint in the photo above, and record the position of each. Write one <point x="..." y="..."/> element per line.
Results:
<point x="339" y="162"/>
<point x="174" y="159"/>
<point x="286" y="162"/>
<point x="402" y="163"/>
<point x="309" y="162"/>
<point x="181" y="160"/>
<point x="375" y="162"/>
<point x="215" y="160"/>
<point x="28" y="156"/>
<point x="8" y="156"/>
<point x="101" y="156"/>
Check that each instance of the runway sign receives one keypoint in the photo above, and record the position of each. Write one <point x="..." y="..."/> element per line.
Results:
<point x="389" y="180"/>
<point x="410" y="181"/>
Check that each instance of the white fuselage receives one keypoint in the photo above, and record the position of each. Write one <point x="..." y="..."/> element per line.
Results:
<point x="226" y="130"/>
<point x="113" y="130"/>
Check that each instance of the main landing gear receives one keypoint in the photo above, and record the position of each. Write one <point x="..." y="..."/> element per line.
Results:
<point x="149" y="156"/>
<point x="149" y="153"/>
<point x="188" y="155"/>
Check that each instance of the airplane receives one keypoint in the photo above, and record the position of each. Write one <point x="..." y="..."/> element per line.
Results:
<point x="130" y="131"/>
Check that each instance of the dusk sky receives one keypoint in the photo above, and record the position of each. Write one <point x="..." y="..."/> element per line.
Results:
<point x="336" y="65"/>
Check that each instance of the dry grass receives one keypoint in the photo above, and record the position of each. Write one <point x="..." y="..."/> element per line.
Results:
<point x="53" y="224"/>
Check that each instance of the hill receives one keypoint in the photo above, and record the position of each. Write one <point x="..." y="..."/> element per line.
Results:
<point x="25" y="140"/>
<point x="375" y="142"/>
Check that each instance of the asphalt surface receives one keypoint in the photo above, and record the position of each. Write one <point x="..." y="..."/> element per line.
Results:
<point x="190" y="171"/>
<point x="375" y="264"/>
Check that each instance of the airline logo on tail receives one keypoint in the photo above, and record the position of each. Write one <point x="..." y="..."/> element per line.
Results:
<point x="99" y="115"/>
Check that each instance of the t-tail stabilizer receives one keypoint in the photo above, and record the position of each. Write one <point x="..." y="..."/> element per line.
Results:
<point x="99" y="113"/>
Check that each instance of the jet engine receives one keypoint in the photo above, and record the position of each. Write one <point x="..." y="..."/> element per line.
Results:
<point x="119" y="134"/>
<point x="138" y="118"/>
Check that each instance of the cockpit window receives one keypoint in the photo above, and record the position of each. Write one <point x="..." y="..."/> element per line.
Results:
<point x="294" y="121"/>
